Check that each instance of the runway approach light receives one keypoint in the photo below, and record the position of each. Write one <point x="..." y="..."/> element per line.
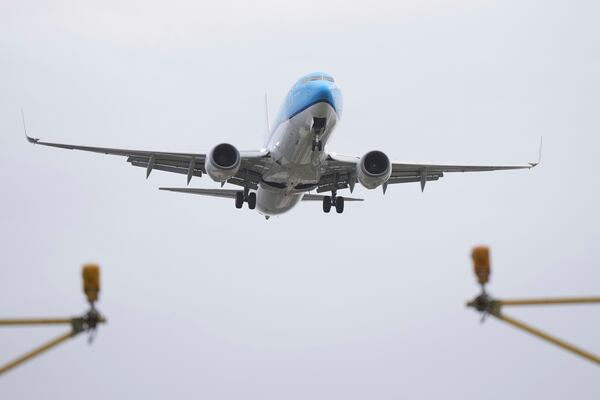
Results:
<point x="488" y="305"/>
<point x="91" y="282"/>
<point x="481" y="263"/>
<point x="87" y="322"/>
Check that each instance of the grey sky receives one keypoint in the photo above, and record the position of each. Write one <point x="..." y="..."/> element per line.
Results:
<point x="204" y="300"/>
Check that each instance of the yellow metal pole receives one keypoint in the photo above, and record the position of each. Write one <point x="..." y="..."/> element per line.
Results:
<point x="550" y="300"/>
<point x="42" y="321"/>
<point x="37" y="351"/>
<point x="534" y="331"/>
<point x="35" y="321"/>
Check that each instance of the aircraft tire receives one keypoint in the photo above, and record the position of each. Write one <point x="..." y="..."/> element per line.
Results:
<point x="326" y="204"/>
<point x="252" y="201"/>
<point x="339" y="204"/>
<point x="239" y="199"/>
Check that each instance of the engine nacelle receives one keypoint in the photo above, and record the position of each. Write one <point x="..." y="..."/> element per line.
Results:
<point x="374" y="169"/>
<point x="223" y="162"/>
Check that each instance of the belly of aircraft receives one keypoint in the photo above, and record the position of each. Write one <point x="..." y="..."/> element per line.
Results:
<point x="274" y="202"/>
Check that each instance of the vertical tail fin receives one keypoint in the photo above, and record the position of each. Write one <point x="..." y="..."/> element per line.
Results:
<point x="267" y="133"/>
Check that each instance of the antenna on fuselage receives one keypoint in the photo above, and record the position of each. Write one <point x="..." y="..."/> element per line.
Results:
<point x="268" y="126"/>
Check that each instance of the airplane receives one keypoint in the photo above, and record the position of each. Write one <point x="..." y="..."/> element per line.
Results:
<point x="295" y="161"/>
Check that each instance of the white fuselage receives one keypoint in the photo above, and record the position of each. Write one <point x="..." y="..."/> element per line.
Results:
<point x="297" y="168"/>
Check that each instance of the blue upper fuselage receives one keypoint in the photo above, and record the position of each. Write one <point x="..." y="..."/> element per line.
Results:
<point x="317" y="87"/>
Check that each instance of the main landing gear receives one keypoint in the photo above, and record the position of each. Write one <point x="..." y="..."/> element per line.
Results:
<point x="333" y="201"/>
<point x="245" y="197"/>
<point x="317" y="129"/>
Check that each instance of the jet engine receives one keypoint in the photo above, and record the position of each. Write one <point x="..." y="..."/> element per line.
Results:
<point x="374" y="169"/>
<point x="223" y="162"/>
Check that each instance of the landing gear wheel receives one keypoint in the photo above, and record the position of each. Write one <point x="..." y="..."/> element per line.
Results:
<point x="339" y="204"/>
<point x="326" y="204"/>
<point x="318" y="128"/>
<point x="252" y="201"/>
<point x="239" y="199"/>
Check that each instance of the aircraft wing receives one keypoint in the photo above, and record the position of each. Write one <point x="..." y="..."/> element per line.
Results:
<point x="190" y="164"/>
<point x="340" y="172"/>
<point x="403" y="173"/>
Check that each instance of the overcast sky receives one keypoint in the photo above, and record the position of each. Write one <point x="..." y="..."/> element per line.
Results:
<point x="206" y="301"/>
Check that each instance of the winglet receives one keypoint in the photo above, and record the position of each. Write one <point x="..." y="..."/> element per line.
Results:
<point x="533" y="164"/>
<point x="29" y="138"/>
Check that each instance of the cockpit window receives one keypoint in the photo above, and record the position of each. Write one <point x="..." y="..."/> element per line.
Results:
<point x="318" y="78"/>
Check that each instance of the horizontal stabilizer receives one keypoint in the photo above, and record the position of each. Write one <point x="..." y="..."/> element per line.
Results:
<point x="226" y="193"/>
<point x="230" y="193"/>
<point x="319" y="197"/>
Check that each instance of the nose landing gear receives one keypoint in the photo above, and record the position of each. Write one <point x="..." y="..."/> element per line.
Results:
<point x="317" y="129"/>
<point x="335" y="201"/>
<point x="245" y="197"/>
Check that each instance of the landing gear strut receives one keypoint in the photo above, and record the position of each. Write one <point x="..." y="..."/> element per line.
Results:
<point x="245" y="197"/>
<point x="317" y="129"/>
<point x="335" y="201"/>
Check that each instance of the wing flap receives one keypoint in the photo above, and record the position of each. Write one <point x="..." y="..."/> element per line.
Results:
<point x="167" y="168"/>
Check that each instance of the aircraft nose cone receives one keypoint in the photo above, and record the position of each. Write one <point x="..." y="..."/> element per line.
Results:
<point x="327" y="93"/>
<point x="323" y="92"/>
